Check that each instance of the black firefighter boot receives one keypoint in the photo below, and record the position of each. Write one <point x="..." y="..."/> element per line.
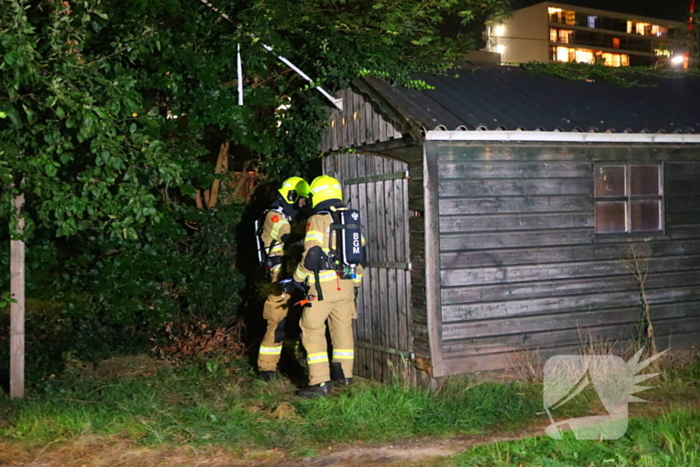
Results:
<point x="269" y="376"/>
<point x="317" y="390"/>
<point x="337" y="375"/>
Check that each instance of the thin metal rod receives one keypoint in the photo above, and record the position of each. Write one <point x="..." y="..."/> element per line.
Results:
<point x="239" y="72"/>
<point x="338" y="103"/>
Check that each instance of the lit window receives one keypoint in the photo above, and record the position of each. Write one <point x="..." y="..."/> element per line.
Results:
<point x="592" y="21"/>
<point x="552" y="35"/>
<point x="643" y="29"/>
<point x="562" y="54"/>
<point x="628" y="198"/>
<point x="584" y="56"/>
<point x="612" y="59"/>
<point x="565" y="35"/>
<point x="659" y="31"/>
<point x="616" y="42"/>
<point x="557" y="15"/>
<point x="554" y="15"/>
<point x="570" y="18"/>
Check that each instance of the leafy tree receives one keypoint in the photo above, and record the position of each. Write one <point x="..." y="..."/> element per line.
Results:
<point x="109" y="110"/>
<point x="88" y="86"/>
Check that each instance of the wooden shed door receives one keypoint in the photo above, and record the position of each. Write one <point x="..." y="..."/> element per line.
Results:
<point x="378" y="188"/>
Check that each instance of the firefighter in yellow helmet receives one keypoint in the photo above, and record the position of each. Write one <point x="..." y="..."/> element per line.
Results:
<point x="276" y="236"/>
<point x="331" y="292"/>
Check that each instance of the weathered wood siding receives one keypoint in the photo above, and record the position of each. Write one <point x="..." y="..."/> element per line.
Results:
<point x="416" y="190"/>
<point x="357" y="125"/>
<point x="521" y="267"/>
<point x="377" y="187"/>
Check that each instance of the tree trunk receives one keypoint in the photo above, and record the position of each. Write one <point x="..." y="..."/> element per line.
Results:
<point x="220" y="169"/>
<point x="17" y="306"/>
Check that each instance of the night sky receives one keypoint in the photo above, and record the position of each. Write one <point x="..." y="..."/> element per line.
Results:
<point x="676" y="10"/>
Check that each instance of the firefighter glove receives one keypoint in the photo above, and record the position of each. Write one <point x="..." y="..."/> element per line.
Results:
<point x="287" y="286"/>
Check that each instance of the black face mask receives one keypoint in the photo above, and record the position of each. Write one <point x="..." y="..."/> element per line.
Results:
<point x="290" y="210"/>
<point x="292" y="197"/>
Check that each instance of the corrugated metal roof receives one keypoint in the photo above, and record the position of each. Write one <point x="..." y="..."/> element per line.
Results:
<point x="510" y="98"/>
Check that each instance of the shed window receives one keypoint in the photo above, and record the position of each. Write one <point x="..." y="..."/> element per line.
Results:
<point x="628" y="198"/>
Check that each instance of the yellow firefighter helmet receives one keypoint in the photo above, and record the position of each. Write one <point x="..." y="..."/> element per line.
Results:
<point x="293" y="188"/>
<point x="324" y="188"/>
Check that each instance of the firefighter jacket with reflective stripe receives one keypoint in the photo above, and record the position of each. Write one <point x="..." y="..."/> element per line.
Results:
<point x="275" y="227"/>
<point x="318" y="234"/>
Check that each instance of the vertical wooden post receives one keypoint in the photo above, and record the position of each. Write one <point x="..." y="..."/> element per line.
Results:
<point x="432" y="256"/>
<point x="220" y="169"/>
<point x="17" y="307"/>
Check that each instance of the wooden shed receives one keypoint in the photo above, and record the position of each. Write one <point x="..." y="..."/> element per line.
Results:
<point x="503" y="210"/>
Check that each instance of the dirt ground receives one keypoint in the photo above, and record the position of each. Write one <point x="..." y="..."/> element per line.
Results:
<point x="413" y="452"/>
<point x="113" y="452"/>
<point x="87" y="451"/>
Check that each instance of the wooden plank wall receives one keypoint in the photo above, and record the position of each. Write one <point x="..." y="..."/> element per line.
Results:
<point x="521" y="265"/>
<point x="421" y="342"/>
<point x="358" y="124"/>
<point x="383" y="304"/>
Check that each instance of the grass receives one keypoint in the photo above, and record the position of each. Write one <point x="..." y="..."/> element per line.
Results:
<point x="225" y="404"/>
<point x="216" y="405"/>
<point x="656" y="437"/>
<point x="671" y="440"/>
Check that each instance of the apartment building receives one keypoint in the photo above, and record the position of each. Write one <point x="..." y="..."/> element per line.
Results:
<point x="566" y="33"/>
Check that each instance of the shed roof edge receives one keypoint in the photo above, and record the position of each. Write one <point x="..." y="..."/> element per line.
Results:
<point x="561" y="137"/>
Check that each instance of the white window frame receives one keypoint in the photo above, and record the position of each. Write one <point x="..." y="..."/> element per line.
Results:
<point x="628" y="198"/>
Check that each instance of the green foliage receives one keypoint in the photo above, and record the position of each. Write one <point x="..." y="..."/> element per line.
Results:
<point x="109" y="111"/>
<point x="582" y="71"/>
<point x="623" y="76"/>
<point x="71" y="137"/>
<point x="214" y="281"/>
<point x="672" y="439"/>
<point x="93" y="299"/>
<point x="220" y="402"/>
<point x="87" y="88"/>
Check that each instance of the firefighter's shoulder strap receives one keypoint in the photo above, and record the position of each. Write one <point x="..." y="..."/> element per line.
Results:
<point x="316" y="260"/>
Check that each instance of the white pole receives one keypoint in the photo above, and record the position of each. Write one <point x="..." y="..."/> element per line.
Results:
<point x="338" y="103"/>
<point x="17" y="306"/>
<point x="239" y="72"/>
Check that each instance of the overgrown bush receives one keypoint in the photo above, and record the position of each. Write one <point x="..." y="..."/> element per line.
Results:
<point x="92" y="298"/>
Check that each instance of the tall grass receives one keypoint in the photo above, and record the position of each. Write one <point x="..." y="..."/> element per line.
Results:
<point x="225" y="404"/>
<point x="671" y="440"/>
